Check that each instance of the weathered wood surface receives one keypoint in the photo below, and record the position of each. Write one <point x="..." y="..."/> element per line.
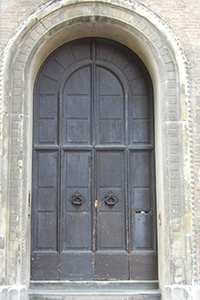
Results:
<point x="93" y="140"/>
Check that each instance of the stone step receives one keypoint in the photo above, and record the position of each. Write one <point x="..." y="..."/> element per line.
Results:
<point x="136" y="295"/>
<point x="136" y="290"/>
<point x="95" y="285"/>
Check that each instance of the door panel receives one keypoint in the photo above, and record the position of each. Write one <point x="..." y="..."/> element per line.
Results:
<point x="110" y="108"/>
<point x="111" y="259"/>
<point x="76" y="201"/>
<point x="45" y="256"/>
<point x="143" y="265"/>
<point x="93" y="166"/>
<point x="76" y="169"/>
<point x="111" y="232"/>
<point x="76" y="265"/>
<point x="46" y="220"/>
<point x="76" y="222"/>
<point x="46" y="230"/>
<point x="76" y="108"/>
<point x="111" y="227"/>
<point x="46" y="126"/>
<point x="142" y="230"/>
<point x="140" y="163"/>
<point x="111" y="266"/>
<point x="76" y="226"/>
<point x="45" y="265"/>
<point x="110" y="169"/>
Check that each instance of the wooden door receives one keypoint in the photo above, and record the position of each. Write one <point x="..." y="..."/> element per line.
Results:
<point x="93" y="166"/>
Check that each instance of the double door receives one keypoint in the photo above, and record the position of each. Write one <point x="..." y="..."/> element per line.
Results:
<point x="93" y="200"/>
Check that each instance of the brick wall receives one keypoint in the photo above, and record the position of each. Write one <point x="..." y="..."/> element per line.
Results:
<point x="13" y="13"/>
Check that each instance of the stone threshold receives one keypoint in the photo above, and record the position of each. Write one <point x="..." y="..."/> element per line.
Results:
<point x="108" y="290"/>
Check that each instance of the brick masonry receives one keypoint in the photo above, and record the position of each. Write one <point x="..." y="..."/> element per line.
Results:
<point x="183" y="228"/>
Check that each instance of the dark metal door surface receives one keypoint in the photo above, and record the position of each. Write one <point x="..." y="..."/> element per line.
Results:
<point x="93" y="204"/>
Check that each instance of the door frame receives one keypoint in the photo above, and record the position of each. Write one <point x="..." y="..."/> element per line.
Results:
<point x="151" y="39"/>
<point x="144" y="258"/>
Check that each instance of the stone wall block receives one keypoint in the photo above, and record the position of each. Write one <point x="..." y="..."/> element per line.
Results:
<point x="63" y="14"/>
<point x="142" y="25"/>
<point x="177" y="293"/>
<point x="155" y="38"/>
<point x="47" y="23"/>
<point x="170" y="66"/>
<point x="173" y="100"/>
<point x="2" y="265"/>
<point x="159" y="44"/>
<point x="148" y="31"/>
<point x="40" y="29"/>
<point x="34" y="35"/>
<point x="22" y="56"/>
<point x="30" y="43"/>
<point x="24" y="50"/>
<point x="23" y="293"/>
<point x="13" y="294"/>
<point x="170" y="74"/>
<point x="167" y="58"/>
<point x="134" y="20"/>
<point x="4" y="294"/>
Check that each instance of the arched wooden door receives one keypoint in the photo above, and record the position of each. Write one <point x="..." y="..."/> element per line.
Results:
<point x="93" y="204"/>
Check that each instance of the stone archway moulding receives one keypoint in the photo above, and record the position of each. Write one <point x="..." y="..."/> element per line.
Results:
<point x="133" y="25"/>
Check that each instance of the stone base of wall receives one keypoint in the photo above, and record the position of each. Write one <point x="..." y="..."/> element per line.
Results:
<point x="172" y="292"/>
<point x="186" y="292"/>
<point x="13" y="293"/>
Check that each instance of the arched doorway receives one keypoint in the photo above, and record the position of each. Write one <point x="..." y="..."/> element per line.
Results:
<point x="141" y="30"/>
<point x="93" y="165"/>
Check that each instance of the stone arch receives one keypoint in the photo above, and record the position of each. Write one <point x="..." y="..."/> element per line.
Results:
<point x="131" y="24"/>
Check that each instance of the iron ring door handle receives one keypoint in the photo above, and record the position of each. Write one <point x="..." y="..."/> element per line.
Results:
<point x="77" y="201"/>
<point x="110" y="201"/>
